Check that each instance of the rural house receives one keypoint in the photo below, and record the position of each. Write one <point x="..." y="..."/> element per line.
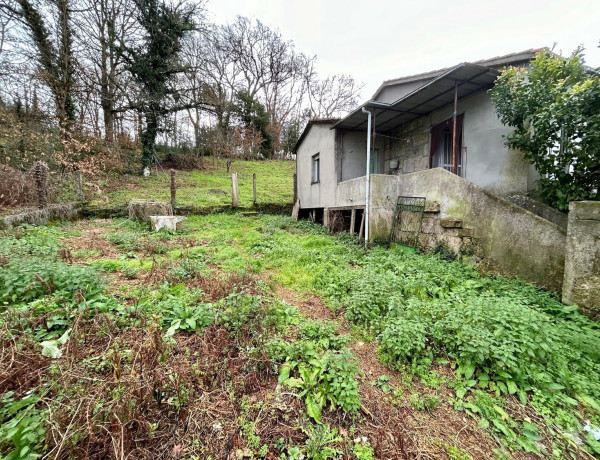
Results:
<point x="439" y="170"/>
<point x="412" y="128"/>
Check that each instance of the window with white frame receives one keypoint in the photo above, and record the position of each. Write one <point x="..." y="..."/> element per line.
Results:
<point x="316" y="168"/>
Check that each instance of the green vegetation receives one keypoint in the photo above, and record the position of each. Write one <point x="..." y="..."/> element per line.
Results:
<point x="554" y="108"/>
<point x="208" y="187"/>
<point x="189" y="320"/>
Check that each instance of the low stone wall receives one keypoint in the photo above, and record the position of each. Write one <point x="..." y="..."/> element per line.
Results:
<point x="512" y="239"/>
<point x="450" y="232"/>
<point x="582" y="264"/>
<point x="67" y="211"/>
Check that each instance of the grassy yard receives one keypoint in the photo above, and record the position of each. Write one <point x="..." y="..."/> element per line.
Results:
<point x="261" y="337"/>
<point x="210" y="187"/>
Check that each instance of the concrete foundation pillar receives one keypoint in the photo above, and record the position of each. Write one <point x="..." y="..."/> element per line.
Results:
<point x="326" y="217"/>
<point x="581" y="284"/>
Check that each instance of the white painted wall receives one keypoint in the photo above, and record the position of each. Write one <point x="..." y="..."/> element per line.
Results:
<point x="319" y="139"/>
<point x="354" y="163"/>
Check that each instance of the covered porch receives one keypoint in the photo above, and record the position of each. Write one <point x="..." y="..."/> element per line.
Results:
<point x="367" y="171"/>
<point x="403" y="135"/>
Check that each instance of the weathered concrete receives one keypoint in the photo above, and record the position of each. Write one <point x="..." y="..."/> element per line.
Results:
<point x="512" y="239"/>
<point x="582" y="259"/>
<point x="539" y="208"/>
<point x="67" y="211"/>
<point x="167" y="222"/>
<point x="142" y="210"/>
<point x="487" y="161"/>
<point x="351" y="160"/>
<point x="319" y="140"/>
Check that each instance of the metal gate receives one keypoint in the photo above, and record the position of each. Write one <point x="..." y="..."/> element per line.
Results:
<point x="408" y="220"/>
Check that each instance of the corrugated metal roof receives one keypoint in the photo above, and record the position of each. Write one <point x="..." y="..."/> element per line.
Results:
<point x="436" y="94"/>
<point x="497" y="61"/>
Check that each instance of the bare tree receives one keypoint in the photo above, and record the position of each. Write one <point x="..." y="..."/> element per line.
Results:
<point x="332" y="96"/>
<point x="55" y="57"/>
<point x="103" y="24"/>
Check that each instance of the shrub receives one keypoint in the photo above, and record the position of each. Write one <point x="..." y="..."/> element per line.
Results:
<point x="401" y="340"/>
<point x="23" y="280"/>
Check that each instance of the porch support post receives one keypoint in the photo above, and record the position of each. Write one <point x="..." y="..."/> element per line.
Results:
<point x="368" y="178"/>
<point x="352" y="221"/>
<point x="454" y="143"/>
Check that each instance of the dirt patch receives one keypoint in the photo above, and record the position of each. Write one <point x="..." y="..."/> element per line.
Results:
<point x="92" y="238"/>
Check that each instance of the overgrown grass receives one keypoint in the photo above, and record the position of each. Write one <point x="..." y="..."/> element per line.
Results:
<point x="526" y="367"/>
<point x="506" y="337"/>
<point x="207" y="188"/>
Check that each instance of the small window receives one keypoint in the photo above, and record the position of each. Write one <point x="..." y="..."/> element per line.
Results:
<point x="316" y="168"/>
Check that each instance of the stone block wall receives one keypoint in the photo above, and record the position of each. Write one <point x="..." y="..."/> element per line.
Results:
<point x="410" y="147"/>
<point x="449" y="232"/>
<point x="513" y="240"/>
<point x="581" y="284"/>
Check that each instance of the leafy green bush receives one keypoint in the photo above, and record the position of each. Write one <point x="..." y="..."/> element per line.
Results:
<point x="236" y="309"/>
<point x="401" y="340"/>
<point x="186" y="317"/>
<point x="23" y="280"/>
<point x="186" y="269"/>
<point x="322" y="376"/>
<point x="22" y="426"/>
<point x="282" y="315"/>
<point x="324" y="333"/>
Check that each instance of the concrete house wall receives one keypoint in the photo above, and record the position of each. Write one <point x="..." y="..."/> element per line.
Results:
<point x="353" y="147"/>
<point x="486" y="159"/>
<point x="319" y="139"/>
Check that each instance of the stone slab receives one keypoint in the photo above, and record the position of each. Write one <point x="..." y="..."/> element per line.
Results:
<point x="142" y="210"/>
<point x="166" y="222"/>
<point x="451" y="222"/>
<point x="432" y="207"/>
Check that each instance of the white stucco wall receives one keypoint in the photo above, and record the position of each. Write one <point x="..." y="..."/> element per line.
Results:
<point x="319" y="139"/>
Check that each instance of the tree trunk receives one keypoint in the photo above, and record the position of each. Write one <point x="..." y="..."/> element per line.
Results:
<point x="149" y="139"/>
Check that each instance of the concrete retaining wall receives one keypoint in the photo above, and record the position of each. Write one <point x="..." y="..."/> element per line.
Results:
<point x="512" y="239"/>
<point x="68" y="211"/>
<point x="582" y="264"/>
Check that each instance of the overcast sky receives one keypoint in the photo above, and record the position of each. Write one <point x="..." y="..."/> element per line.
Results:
<point x="376" y="40"/>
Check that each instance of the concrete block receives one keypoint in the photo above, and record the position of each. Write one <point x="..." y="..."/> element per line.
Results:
<point x="585" y="210"/>
<point x="142" y="210"/>
<point x="581" y="283"/>
<point x="466" y="232"/>
<point x="431" y="225"/>
<point x="167" y="222"/>
<point x="454" y="243"/>
<point x="451" y="222"/>
<point x="432" y="207"/>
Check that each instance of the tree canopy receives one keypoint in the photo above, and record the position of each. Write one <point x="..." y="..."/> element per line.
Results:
<point x="554" y="108"/>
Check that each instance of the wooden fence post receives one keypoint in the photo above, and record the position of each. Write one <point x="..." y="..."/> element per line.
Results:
<point x="173" y="190"/>
<point x="254" y="188"/>
<point x="234" y="188"/>
<point x="79" y="183"/>
<point x="40" y="173"/>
